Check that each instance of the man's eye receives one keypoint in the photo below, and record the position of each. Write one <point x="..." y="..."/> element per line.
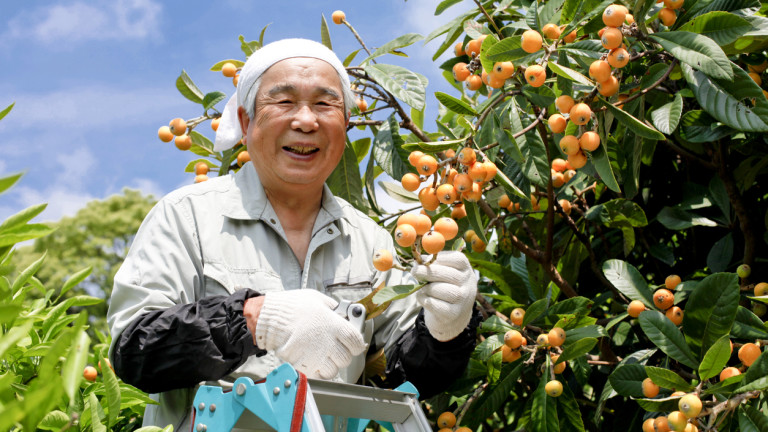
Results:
<point x="285" y="101"/>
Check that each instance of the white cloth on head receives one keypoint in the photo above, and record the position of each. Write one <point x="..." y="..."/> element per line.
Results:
<point x="229" y="132"/>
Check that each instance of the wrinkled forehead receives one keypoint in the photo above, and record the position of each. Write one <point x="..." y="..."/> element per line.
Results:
<point x="296" y="72"/>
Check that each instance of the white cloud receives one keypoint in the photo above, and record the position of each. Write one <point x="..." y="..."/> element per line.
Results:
<point x="61" y="201"/>
<point x="147" y="187"/>
<point x="80" y="21"/>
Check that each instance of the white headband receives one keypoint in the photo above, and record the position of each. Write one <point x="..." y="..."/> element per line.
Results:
<point x="229" y="133"/>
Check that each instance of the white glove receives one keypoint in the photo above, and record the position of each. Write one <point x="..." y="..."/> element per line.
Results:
<point x="450" y="295"/>
<point x="300" y="327"/>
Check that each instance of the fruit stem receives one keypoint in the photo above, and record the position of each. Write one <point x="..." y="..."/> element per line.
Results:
<point x="359" y="39"/>
<point x="488" y="17"/>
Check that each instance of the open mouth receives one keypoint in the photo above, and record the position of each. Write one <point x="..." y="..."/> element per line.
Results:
<point x="301" y="150"/>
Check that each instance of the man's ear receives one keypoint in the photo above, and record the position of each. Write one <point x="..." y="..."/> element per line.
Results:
<point x="244" y="120"/>
<point x="349" y="114"/>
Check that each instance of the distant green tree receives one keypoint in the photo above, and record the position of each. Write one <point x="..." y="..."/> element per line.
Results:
<point x="98" y="236"/>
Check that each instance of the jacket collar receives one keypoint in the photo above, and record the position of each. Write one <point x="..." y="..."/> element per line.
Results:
<point x="248" y="201"/>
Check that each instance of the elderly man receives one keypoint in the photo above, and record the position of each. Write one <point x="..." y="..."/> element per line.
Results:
<point x="233" y="276"/>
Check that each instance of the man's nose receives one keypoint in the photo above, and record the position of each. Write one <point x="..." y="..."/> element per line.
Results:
<point x="305" y="119"/>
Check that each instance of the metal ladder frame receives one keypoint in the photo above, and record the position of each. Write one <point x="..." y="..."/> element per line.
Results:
<point x="269" y="405"/>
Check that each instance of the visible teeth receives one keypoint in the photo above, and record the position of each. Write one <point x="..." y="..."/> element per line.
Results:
<point x="302" y="150"/>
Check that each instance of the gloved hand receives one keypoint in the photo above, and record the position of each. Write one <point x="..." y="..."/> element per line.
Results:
<point x="449" y="296"/>
<point x="300" y="327"/>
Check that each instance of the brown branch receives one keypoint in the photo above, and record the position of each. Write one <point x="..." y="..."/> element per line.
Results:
<point x="737" y="202"/>
<point x="488" y="17"/>
<point x="534" y="254"/>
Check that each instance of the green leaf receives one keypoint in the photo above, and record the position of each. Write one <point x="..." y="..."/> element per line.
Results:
<point x="496" y="395"/>
<point x="487" y="44"/>
<point x="627" y="379"/>
<point x="759" y="384"/>
<point x="665" y="335"/>
<point x="396" y="292"/>
<point x="345" y="181"/>
<point x="7" y="182"/>
<point x="569" y="73"/>
<point x="602" y="164"/>
<point x="54" y="421"/>
<point x="211" y="99"/>
<point x="188" y="89"/>
<point x="697" y="51"/>
<point x="249" y="47"/>
<point x="721" y="27"/>
<point x="544" y="408"/>
<point x="633" y="124"/>
<point x="22" y="233"/>
<point x="721" y="254"/>
<point x="590" y="48"/>
<point x="6" y="110"/>
<point x="95" y="409"/>
<point x="667" y="379"/>
<point x="508" y="49"/>
<point x="15" y="334"/>
<point x="752" y="419"/>
<point x="568" y="410"/>
<point x="748" y="326"/>
<point x="394" y="45"/>
<point x="628" y="280"/>
<point x="397" y="192"/>
<point x="475" y="220"/>
<point x="217" y="67"/>
<point x="201" y="145"/>
<point x="445" y="4"/>
<point x="325" y="35"/>
<point x="667" y="117"/>
<point x="715" y="359"/>
<point x="434" y="146"/>
<point x="409" y="87"/>
<point x="677" y="219"/>
<point x="486" y="348"/>
<point x="577" y="349"/>
<point x="72" y="370"/>
<point x="617" y="213"/>
<point x="22" y="217"/>
<point x="495" y="324"/>
<point x="658" y="404"/>
<point x="75" y="279"/>
<point x="711" y="310"/>
<point x="456" y="105"/>
<point x="507" y="184"/>
<point x="388" y="149"/>
<point x="506" y="281"/>
<point x="112" y="391"/>
<point x="27" y="273"/>
<point x="731" y="101"/>
<point x="535" y="311"/>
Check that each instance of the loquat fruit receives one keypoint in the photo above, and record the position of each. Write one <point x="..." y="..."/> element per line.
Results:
<point x="618" y="58"/>
<point x="635" y="308"/>
<point x="473" y="47"/>
<point x="677" y="421"/>
<point x="748" y="353"/>
<point x="556" y="336"/>
<point x="474" y="82"/>
<point x="504" y="69"/>
<point x="570" y="37"/>
<point x="382" y="260"/>
<point x="568" y="175"/>
<point x="729" y="372"/>
<point x="513" y="339"/>
<point x="178" y="126"/>
<point x="648" y="425"/>
<point x="338" y="17"/>
<point x="672" y="281"/>
<point x="516" y="316"/>
<point x="477" y="172"/>
<point x="675" y="314"/>
<point x="458" y="49"/>
<point x="90" y="373"/>
<point x="427" y="165"/>
<point x="243" y="157"/>
<point x="577" y="160"/>
<point x="611" y="38"/>
<point x="600" y="70"/>
<point x="589" y="141"/>
<point x="566" y="206"/>
<point x="674" y="4"/>
<point x="215" y="123"/>
<point x="467" y="156"/>
<point x="690" y="405"/>
<point x="761" y="289"/>
<point x="422" y="223"/>
<point x="164" y="133"/>
<point x="462" y="182"/>
<point x="535" y="75"/>
<point x="564" y="103"/>
<point x="201" y="168"/>
<point x="667" y="16"/>
<point x="509" y="355"/>
<point x="504" y="201"/>
<point x="661" y="424"/>
<point x="495" y="81"/>
<point x="474" y="193"/>
<point x="461" y="72"/>
<point x="410" y="181"/>
<point x="756" y="78"/>
<point x="558" y="368"/>
<point x="447" y="227"/>
<point x="663" y="299"/>
<point x="581" y="114"/>
<point x="183" y="142"/>
<point x="407" y="218"/>
<point x="531" y="41"/>
<point x="554" y="388"/>
<point x="477" y="244"/>
<point x="569" y="144"/>
<point x="557" y="123"/>
<point x="629" y="19"/>
<point x="405" y="235"/>
<point x="650" y="389"/>
<point x="513" y="207"/>
<point x="414" y="156"/>
<point x="743" y="271"/>
<point x="558" y="179"/>
<point x="463" y="429"/>
<point x="609" y="87"/>
<point x="201" y="178"/>
<point x="362" y="105"/>
<point x="558" y="165"/>
<point x="614" y="15"/>
<point x="446" y="420"/>
<point x="229" y="70"/>
<point x="542" y="339"/>
<point x="446" y="193"/>
<point x="458" y="211"/>
<point x="551" y="31"/>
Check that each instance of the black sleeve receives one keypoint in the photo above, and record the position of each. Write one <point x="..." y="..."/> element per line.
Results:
<point x="430" y="365"/>
<point x="183" y="345"/>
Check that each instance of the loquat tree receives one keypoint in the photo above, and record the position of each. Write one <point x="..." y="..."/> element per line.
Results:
<point x="588" y="150"/>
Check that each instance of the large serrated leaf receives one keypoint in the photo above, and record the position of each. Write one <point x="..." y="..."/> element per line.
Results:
<point x="544" y="408"/>
<point x="577" y="349"/>
<point x="730" y="102"/>
<point x="632" y="123"/>
<point x="397" y="192"/>
<point x="628" y="280"/>
<point x="752" y="419"/>
<point x="394" y="45"/>
<point x="506" y="281"/>
<point x="188" y="89"/>
<point x="627" y="379"/>
<point x="667" y="379"/>
<point x="715" y="359"/>
<point x="345" y="181"/>
<point x="711" y="310"/>
<point x="697" y="51"/>
<point x="667" y="117"/>
<point x="22" y="217"/>
<point x="456" y="105"/>
<point x="569" y="73"/>
<point x="325" y="35"/>
<point x="665" y="335"/>
<point x="211" y="99"/>
<point x="388" y="151"/>
<point x="409" y="87"/>
<point x="721" y="27"/>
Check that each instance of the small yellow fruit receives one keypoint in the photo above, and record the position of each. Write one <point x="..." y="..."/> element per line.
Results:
<point x="675" y="314"/>
<point x="517" y="315"/>
<point x="338" y="17"/>
<point x="513" y="339"/>
<point x="382" y="260"/>
<point x="581" y="113"/>
<point x="690" y="405"/>
<point x="677" y="421"/>
<point x="564" y="104"/>
<point x="729" y="372"/>
<point x="90" y="373"/>
<point x="557" y="123"/>
<point x="556" y="336"/>
<point x="663" y="299"/>
<point x="614" y="15"/>
<point x="229" y="70"/>
<point x="635" y="308"/>
<point x="446" y="420"/>
<point x="531" y="41"/>
<point x="761" y="289"/>
<point x="672" y="281"/>
<point x="650" y="389"/>
<point x="554" y="388"/>
<point x="748" y="353"/>
<point x="542" y="339"/>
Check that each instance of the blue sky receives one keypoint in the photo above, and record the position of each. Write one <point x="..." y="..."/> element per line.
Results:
<point x="93" y="80"/>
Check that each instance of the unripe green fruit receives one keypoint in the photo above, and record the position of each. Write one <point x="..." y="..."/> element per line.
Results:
<point x="744" y="271"/>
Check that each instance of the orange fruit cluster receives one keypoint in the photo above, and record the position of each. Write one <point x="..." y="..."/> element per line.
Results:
<point x="463" y="72"/>
<point x="417" y="229"/>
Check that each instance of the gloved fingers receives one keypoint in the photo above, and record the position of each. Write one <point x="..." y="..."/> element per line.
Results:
<point x="318" y="365"/>
<point x="438" y="273"/>
<point x="439" y="307"/>
<point x="321" y="298"/>
<point x="447" y="292"/>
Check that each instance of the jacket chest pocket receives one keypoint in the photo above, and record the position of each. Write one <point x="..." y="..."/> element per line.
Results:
<point x="219" y="280"/>
<point x="348" y="288"/>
